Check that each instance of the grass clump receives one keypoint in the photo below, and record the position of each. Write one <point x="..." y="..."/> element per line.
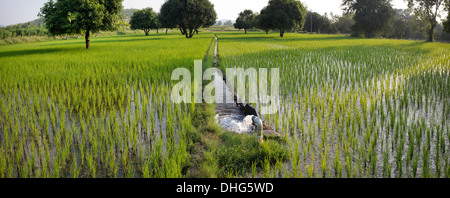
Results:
<point x="240" y="153"/>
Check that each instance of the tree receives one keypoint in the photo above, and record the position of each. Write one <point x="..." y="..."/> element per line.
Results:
<point x="447" y="21"/>
<point x="343" y="24"/>
<point x="189" y="15"/>
<point x="158" y="23"/>
<point x="263" y="21"/>
<point x="219" y="23"/>
<point x="404" y="25"/>
<point x="77" y="16"/>
<point x="283" y="15"/>
<point x="398" y="25"/>
<point x="245" y="20"/>
<point x="317" y="23"/>
<point x="165" y="17"/>
<point x="144" y="20"/>
<point x="371" y="16"/>
<point x="228" y="23"/>
<point x="427" y="11"/>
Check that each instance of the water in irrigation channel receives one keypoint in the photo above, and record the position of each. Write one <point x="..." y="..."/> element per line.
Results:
<point x="228" y="115"/>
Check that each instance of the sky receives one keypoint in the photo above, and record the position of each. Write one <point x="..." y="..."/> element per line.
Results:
<point x="20" y="11"/>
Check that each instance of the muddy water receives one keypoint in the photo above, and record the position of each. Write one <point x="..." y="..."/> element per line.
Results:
<point x="228" y="115"/>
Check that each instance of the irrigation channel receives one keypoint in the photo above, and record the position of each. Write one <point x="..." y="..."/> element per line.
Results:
<point x="236" y="117"/>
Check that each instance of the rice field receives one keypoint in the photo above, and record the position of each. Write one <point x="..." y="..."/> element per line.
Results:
<point x="351" y="107"/>
<point x="106" y="112"/>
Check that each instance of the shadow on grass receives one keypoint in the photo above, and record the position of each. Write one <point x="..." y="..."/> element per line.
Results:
<point x="413" y="44"/>
<point x="120" y="40"/>
<point x="109" y="39"/>
<point x="32" y="52"/>
<point x="275" y="37"/>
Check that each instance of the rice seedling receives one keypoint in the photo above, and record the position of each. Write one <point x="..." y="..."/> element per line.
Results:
<point x="324" y="160"/>
<point x="254" y="170"/>
<point x="266" y="167"/>
<point x="2" y="163"/>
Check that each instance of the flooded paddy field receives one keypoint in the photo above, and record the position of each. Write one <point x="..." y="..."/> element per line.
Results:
<point x="349" y="107"/>
<point x="68" y="112"/>
<point x="354" y="107"/>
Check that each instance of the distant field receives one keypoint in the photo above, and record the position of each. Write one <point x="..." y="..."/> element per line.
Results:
<point x="350" y="108"/>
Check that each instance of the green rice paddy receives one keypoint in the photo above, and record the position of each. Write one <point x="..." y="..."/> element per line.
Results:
<point x="350" y="107"/>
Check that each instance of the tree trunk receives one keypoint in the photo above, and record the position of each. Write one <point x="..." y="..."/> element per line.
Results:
<point x="196" y="31"/>
<point x="157" y="31"/>
<point x="67" y="37"/>
<point x="267" y="31"/>
<point x="431" y="33"/>
<point x="281" y="33"/>
<point x="97" y="34"/>
<point x="146" y="32"/>
<point x="245" y="31"/>
<point x="88" y="41"/>
<point x="190" y="33"/>
<point x="186" y="34"/>
<point x="183" y="31"/>
<point x="167" y="30"/>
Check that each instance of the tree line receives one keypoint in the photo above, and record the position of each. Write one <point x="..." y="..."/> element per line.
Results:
<point x="361" y="18"/>
<point x="92" y="16"/>
<point x="364" y="18"/>
<point x="280" y="15"/>
<point x="21" y="30"/>
<point x="187" y="16"/>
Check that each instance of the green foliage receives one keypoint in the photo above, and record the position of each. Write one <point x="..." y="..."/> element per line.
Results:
<point x="405" y="25"/>
<point x="371" y="16"/>
<point x="188" y="15"/>
<point x="447" y="24"/>
<point x="145" y="19"/>
<point x="283" y="15"/>
<point x="343" y="24"/>
<point x="167" y="13"/>
<point x="23" y="30"/>
<point x="447" y="21"/>
<point x="317" y="23"/>
<point x="427" y="11"/>
<point x="245" y="20"/>
<point x="81" y="16"/>
<point x="243" y="152"/>
<point x="262" y="21"/>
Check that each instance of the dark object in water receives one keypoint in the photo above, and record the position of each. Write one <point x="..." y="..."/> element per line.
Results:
<point x="248" y="110"/>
